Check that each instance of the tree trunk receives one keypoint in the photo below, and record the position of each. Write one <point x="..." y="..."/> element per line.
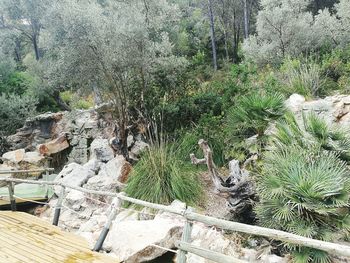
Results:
<point x="246" y="20"/>
<point x="212" y="34"/>
<point x="238" y="187"/>
<point x="121" y="144"/>
<point x="18" y="51"/>
<point x="56" y="96"/>
<point x="36" y="48"/>
<point x="235" y="44"/>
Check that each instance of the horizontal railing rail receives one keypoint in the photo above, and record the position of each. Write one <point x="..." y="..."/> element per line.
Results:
<point x="191" y="216"/>
<point x="27" y="171"/>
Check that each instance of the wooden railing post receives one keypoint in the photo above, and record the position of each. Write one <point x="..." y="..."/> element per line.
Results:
<point x="107" y="226"/>
<point x="186" y="237"/>
<point x="58" y="207"/>
<point x="46" y="178"/>
<point x="11" y="188"/>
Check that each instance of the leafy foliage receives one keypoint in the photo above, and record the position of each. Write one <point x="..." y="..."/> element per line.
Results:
<point x="304" y="78"/>
<point x="161" y="177"/>
<point x="313" y="132"/>
<point x="304" y="191"/>
<point x="14" y="110"/>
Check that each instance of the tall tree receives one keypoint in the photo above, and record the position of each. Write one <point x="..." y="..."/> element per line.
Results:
<point x="246" y="19"/>
<point x="88" y="49"/>
<point x="212" y="33"/>
<point x="283" y="28"/>
<point x="25" y="17"/>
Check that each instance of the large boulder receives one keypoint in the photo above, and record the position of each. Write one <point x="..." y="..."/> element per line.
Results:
<point x="14" y="156"/>
<point x="117" y="168"/>
<point x="73" y="174"/>
<point x="19" y="159"/>
<point x="101" y="150"/>
<point x="212" y="239"/>
<point x="57" y="145"/>
<point x="333" y="109"/>
<point x="133" y="241"/>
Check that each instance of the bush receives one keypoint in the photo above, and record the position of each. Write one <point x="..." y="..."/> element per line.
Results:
<point x="304" y="191"/>
<point x="161" y="177"/>
<point x="315" y="132"/>
<point x="188" y="110"/>
<point x="14" y="110"/>
<point x="304" y="78"/>
<point x="251" y="116"/>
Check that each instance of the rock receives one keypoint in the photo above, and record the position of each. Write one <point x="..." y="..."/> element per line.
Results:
<point x="166" y="215"/>
<point x="126" y="215"/>
<point x="75" y="199"/>
<point x="294" y="102"/>
<point x="130" y="140"/>
<point x="36" y="131"/>
<point x="14" y="156"/>
<point x="34" y="158"/>
<point x="211" y="239"/>
<point x="117" y="168"/>
<point x="138" y="147"/>
<point x="54" y="146"/>
<point x="73" y="174"/>
<point x="100" y="150"/>
<point x="132" y="240"/>
<point x="93" y="165"/>
<point x="102" y="183"/>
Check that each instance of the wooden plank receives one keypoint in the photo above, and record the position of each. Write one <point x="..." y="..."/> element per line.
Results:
<point x="208" y="254"/>
<point x="332" y="248"/>
<point x="26" y="171"/>
<point x="51" y="236"/>
<point x="186" y="237"/>
<point x="25" y="238"/>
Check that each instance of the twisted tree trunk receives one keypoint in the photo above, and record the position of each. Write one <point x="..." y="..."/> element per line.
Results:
<point x="238" y="186"/>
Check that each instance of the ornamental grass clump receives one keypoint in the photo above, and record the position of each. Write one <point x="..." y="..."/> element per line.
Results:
<point x="305" y="191"/>
<point x="161" y="176"/>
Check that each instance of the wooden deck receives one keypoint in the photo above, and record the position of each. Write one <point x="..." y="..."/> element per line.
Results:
<point x="26" y="238"/>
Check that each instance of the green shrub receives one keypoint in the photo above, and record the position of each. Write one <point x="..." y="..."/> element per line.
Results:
<point x="14" y="110"/>
<point x="315" y="132"/>
<point x="251" y="116"/>
<point x="188" y="110"/>
<point x="16" y="83"/>
<point x="304" y="191"/>
<point x="304" y="78"/>
<point x="252" y="113"/>
<point x="161" y="176"/>
<point x="82" y="104"/>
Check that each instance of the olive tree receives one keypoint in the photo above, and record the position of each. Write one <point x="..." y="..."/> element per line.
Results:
<point x="283" y="28"/>
<point x="23" y="18"/>
<point x="114" y="46"/>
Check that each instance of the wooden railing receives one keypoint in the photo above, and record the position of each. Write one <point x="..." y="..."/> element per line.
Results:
<point x="10" y="185"/>
<point x="190" y="215"/>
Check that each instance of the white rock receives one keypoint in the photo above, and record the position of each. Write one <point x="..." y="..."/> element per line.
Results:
<point x="93" y="165"/>
<point x="132" y="240"/>
<point x="75" y="199"/>
<point x="138" y="147"/>
<point x="126" y="215"/>
<point x="100" y="150"/>
<point x="33" y="158"/>
<point x="14" y="156"/>
<point x="73" y="174"/>
<point x="295" y="102"/>
<point x="118" y="169"/>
